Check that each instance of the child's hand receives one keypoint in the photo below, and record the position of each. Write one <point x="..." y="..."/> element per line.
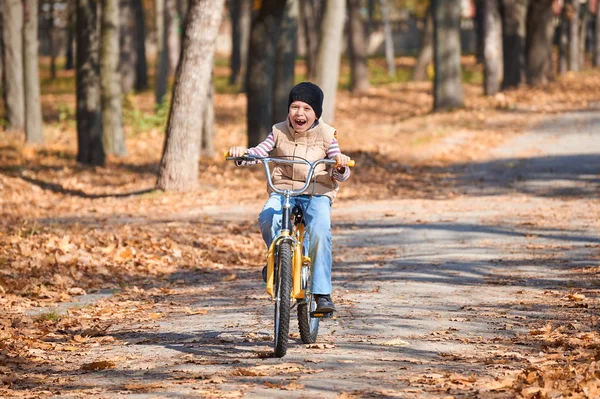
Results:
<point x="342" y="161"/>
<point x="237" y="151"/>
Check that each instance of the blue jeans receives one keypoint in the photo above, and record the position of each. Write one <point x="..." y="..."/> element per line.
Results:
<point x="318" y="226"/>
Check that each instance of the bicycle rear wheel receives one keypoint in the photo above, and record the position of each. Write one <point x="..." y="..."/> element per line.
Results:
<point x="308" y="326"/>
<point x="283" y="287"/>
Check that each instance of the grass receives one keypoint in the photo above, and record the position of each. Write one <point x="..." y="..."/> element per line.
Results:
<point x="49" y="316"/>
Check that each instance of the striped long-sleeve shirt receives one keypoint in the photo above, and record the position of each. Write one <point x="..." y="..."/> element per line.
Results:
<point x="265" y="148"/>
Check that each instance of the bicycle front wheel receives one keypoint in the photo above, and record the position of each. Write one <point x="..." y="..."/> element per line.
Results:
<point x="283" y="287"/>
<point x="308" y="326"/>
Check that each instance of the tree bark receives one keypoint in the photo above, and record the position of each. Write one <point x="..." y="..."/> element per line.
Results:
<point x="585" y="18"/>
<point x="127" y="38"/>
<point x="162" y="52"/>
<point x="285" y="61"/>
<point x="389" y="38"/>
<point x="52" y="42"/>
<point x="110" y="81"/>
<point x="563" y="41"/>
<point x="357" y="46"/>
<point x="241" y="18"/>
<point x="426" y="52"/>
<point x="573" y="17"/>
<point x="492" y="52"/>
<point x="141" y="65"/>
<point x="479" y="30"/>
<point x="33" y="107"/>
<point x="540" y="31"/>
<point x="14" y="92"/>
<point x="448" y="92"/>
<point x="597" y="36"/>
<point x="1" y="49"/>
<point x="261" y="69"/>
<point x="330" y="52"/>
<point x="311" y="31"/>
<point x="179" y="163"/>
<point x="513" y="41"/>
<point x="89" y="122"/>
<point x="173" y="26"/>
<point x="208" y="124"/>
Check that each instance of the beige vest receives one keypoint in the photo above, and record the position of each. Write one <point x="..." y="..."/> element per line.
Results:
<point x="311" y="145"/>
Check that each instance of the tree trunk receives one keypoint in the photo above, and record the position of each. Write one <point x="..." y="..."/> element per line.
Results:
<point x="14" y="92"/>
<point x="285" y="61"/>
<point x="479" y="30"/>
<point x="33" y="107"/>
<point x="1" y="50"/>
<point x="261" y="69"/>
<point x="141" y="66"/>
<point x="173" y="26"/>
<point x="357" y="48"/>
<point x="563" y="43"/>
<point x="69" y="62"/>
<point x="241" y="18"/>
<point x="585" y="18"/>
<point x="89" y="122"/>
<point x="573" y="17"/>
<point x="513" y="41"/>
<point x="330" y="52"/>
<point x="492" y="52"/>
<point x="426" y="53"/>
<point x="182" y="7"/>
<point x="110" y="81"/>
<point x="179" y="163"/>
<point x="127" y="54"/>
<point x="597" y="36"/>
<point x="448" y="92"/>
<point x="540" y="31"/>
<point x="208" y="125"/>
<point x="52" y="42"/>
<point x="389" y="39"/>
<point x="162" y="51"/>
<point x="311" y="31"/>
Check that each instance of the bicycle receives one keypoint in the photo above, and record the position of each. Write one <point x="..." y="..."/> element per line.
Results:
<point x="289" y="268"/>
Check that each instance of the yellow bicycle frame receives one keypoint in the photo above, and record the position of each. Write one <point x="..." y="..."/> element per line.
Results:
<point x="297" y="259"/>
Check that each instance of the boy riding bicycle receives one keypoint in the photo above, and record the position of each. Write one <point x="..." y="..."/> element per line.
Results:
<point x="303" y="135"/>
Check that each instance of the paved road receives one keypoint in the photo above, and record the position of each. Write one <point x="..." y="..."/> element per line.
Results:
<point x="432" y="294"/>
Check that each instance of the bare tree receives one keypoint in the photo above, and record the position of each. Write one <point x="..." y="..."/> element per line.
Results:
<point x="179" y="163"/>
<point x="448" y="92"/>
<point x="14" y="93"/>
<point x="89" y="122"/>
<point x="71" y="11"/>
<point x="583" y="29"/>
<point x="162" y="52"/>
<point x="492" y="47"/>
<point x="573" y="7"/>
<point x="33" y="104"/>
<point x="285" y="61"/>
<point x="563" y="41"/>
<point x="513" y="41"/>
<point x="310" y="22"/>
<point x="426" y="52"/>
<point x="141" y="74"/>
<point x="127" y="45"/>
<point x="357" y="46"/>
<point x="389" y="39"/>
<point x="330" y="52"/>
<point x="540" y="32"/>
<point x="597" y="36"/>
<point x="241" y="18"/>
<point x="110" y="81"/>
<point x="173" y="26"/>
<point x="261" y="68"/>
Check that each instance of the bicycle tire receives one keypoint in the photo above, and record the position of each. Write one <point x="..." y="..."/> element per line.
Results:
<point x="308" y="326"/>
<point x="283" y="288"/>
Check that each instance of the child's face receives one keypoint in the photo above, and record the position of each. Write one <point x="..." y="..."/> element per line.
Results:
<point x="301" y="115"/>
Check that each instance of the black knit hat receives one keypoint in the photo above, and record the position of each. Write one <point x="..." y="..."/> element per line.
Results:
<point x="310" y="93"/>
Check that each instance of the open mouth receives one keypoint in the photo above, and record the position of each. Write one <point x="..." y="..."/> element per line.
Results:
<point x="300" y="122"/>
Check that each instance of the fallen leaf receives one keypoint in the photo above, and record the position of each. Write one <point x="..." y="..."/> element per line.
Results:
<point x="99" y="365"/>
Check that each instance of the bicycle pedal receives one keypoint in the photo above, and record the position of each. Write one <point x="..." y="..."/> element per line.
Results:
<point x="321" y="315"/>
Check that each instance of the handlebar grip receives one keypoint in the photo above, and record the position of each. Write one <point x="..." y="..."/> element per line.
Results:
<point x="351" y="163"/>
<point x="226" y="154"/>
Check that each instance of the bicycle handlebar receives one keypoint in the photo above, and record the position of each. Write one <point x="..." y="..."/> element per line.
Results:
<point x="267" y="160"/>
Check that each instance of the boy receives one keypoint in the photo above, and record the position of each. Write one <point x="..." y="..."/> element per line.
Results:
<point x="303" y="135"/>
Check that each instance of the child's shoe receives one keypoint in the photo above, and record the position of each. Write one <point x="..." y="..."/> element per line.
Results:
<point x="324" y="304"/>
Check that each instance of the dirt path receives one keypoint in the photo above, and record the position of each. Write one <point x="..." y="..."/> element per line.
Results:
<point x="436" y="298"/>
